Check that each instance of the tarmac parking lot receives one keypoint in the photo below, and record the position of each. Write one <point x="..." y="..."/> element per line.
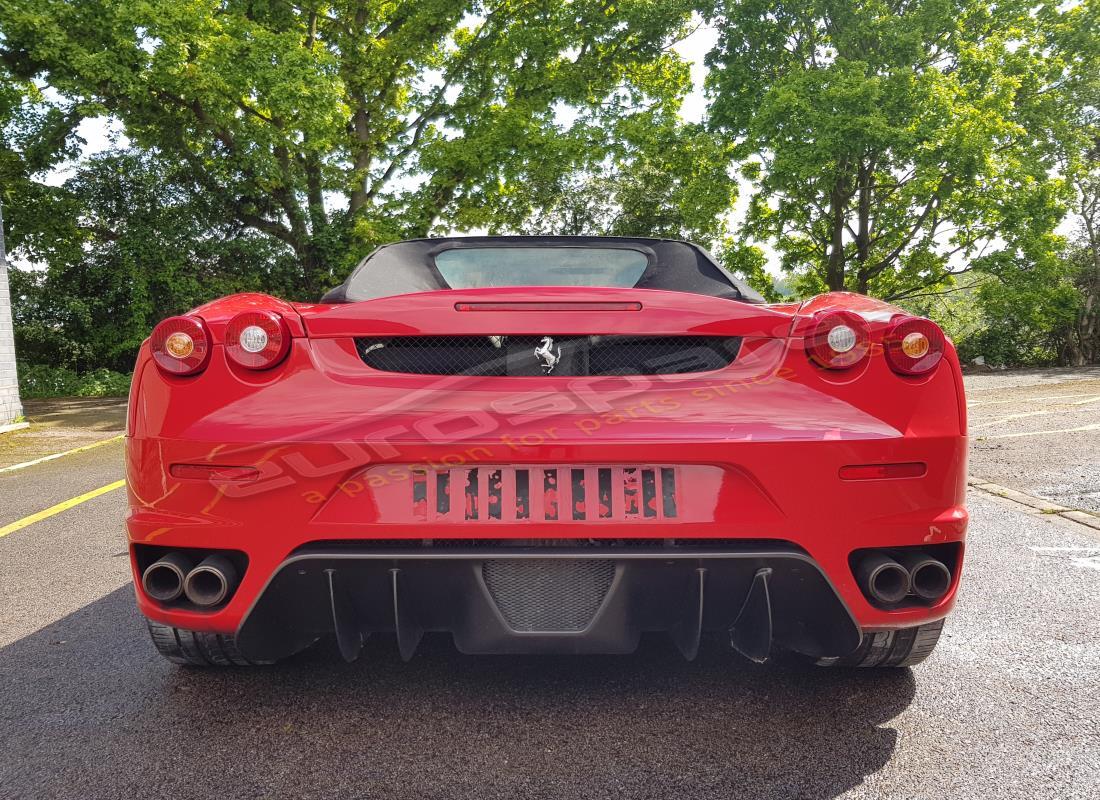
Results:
<point x="1008" y="706"/>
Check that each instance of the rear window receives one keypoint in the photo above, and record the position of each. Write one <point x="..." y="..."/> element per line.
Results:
<point x="476" y="267"/>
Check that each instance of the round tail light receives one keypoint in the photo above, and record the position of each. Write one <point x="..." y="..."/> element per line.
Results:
<point x="839" y="340"/>
<point x="257" y="339"/>
<point x="180" y="345"/>
<point x="913" y="346"/>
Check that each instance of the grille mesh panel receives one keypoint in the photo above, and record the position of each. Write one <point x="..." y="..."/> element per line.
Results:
<point x="576" y="355"/>
<point x="548" y="595"/>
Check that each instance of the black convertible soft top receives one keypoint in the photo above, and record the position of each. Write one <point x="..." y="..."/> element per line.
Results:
<point x="410" y="266"/>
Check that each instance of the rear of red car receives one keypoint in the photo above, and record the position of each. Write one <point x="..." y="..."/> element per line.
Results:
<point x="547" y="469"/>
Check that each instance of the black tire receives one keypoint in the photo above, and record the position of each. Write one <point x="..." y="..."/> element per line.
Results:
<point x="197" y="648"/>
<point x="901" y="648"/>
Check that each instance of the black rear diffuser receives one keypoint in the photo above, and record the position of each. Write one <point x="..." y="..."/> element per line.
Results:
<point x="762" y="597"/>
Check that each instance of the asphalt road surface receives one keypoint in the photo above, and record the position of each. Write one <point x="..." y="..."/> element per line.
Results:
<point x="1007" y="707"/>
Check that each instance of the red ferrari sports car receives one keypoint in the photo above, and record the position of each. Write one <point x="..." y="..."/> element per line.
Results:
<point x="546" y="445"/>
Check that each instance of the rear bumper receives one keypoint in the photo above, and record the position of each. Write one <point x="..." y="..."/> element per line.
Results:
<point x="559" y="600"/>
<point x="786" y="492"/>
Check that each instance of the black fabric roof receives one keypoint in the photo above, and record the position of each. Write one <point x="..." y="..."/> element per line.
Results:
<point x="407" y="267"/>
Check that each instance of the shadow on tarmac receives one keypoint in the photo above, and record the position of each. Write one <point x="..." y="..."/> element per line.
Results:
<point x="90" y="710"/>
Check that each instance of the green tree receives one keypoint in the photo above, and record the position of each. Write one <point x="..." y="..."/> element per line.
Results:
<point x="892" y="143"/>
<point x="333" y="126"/>
<point x="35" y="135"/>
<point x="135" y="243"/>
<point x="1074" y="45"/>
<point x="668" y="180"/>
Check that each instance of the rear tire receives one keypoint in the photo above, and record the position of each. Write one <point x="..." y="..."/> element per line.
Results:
<point x="901" y="648"/>
<point x="197" y="648"/>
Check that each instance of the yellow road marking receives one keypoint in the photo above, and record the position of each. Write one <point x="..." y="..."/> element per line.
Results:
<point x="59" y="455"/>
<point x="63" y="506"/>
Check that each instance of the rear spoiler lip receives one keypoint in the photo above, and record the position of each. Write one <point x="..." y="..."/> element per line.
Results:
<point x="553" y="310"/>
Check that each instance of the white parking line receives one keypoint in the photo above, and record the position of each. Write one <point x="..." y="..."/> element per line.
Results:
<point x="1040" y="413"/>
<point x="1026" y="399"/>
<point x="26" y="464"/>
<point x="1044" y="433"/>
<point x="1087" y="557"/>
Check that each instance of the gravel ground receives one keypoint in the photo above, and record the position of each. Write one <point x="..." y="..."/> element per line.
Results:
<point x="1038" y="431"/>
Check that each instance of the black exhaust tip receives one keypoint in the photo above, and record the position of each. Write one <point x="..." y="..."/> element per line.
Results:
<point x="882" y="578"/>
<point x="211" y="582"/>
<point x="163" y="580"/>
<point x="929" y="578"/>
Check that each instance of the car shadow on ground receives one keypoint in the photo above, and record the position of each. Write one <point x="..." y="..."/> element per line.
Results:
<point x="89" y="708"/>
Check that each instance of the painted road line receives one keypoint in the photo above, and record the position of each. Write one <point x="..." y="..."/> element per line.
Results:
<point x="1041" y="433"/>
<point x="1039" y="413"/>
<point x="1023" y="400"/>
<point x="26" y="464"/>
<point x="63" y="506"/>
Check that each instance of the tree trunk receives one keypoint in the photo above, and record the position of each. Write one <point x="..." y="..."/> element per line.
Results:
<point x="1088" y="327"/>
<point x="863" y="222"/>
<point x="834" y="269"/>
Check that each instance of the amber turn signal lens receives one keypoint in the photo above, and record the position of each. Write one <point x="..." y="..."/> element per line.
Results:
<point x="915" y="345"/>
<point x="179" y="345"/>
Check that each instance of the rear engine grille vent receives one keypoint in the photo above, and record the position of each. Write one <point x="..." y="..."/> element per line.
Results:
<point x="575" y="355"/>
<point x="546" y="493"/>
<point x="548" y="595"/>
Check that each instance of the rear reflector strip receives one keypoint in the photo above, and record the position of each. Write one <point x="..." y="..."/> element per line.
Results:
<point x="878" y="472"/>
<point x="545" y="494"/>
<point x="213" y="472"/>
<point x="549" y="306"/>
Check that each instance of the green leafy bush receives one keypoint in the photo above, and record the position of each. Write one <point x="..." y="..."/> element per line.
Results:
<point x="40" y="380"/>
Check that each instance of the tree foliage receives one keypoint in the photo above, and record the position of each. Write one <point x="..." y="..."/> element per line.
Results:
<point x="1073" y="47"/>
<point x="663" y="179"/>
<point x="334" y="126"/>
<point x="134" y="245"/>
<point x="920" y="150"/>
<point x="892" y="143"/>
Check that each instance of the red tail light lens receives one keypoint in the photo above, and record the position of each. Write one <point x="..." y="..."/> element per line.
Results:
<point x="913" y="346"/>
<point x="839" y="340"/>
<point x="181" y="345"/>
<point x="257" y="339"/>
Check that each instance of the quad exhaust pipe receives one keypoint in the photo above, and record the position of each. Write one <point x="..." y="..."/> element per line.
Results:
<point x="929" y="578"/>
<point x="205" y="584"/>
<point x="887" y="581"/>
<point x="163" y="579"/>
<point x="883" y="579"/>
<point x="211" y="581"/>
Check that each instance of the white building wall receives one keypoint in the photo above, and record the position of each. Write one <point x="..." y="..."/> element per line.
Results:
<point x="10" y="407"/>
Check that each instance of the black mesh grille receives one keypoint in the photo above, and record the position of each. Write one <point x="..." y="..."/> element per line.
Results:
<point x="538" y="355"/>
<point x="548" y="595"/>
